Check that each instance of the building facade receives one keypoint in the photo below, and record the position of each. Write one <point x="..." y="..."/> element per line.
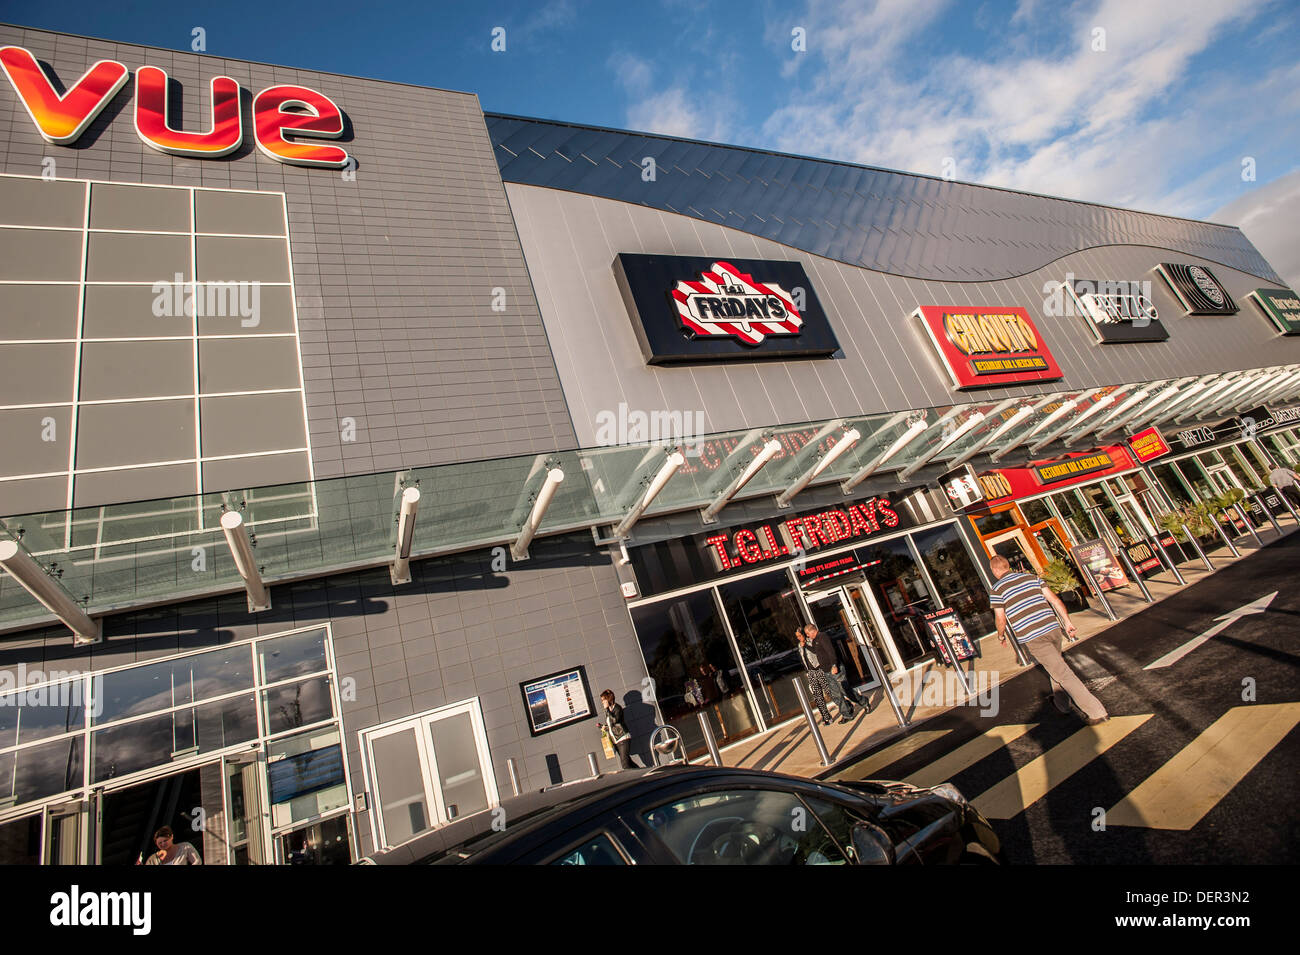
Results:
<point x="356" y="439"/>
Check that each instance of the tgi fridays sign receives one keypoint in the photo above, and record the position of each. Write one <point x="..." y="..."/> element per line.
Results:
<point x="983" y="347"/>
<point x="286" y="118"/>
<point x="1281" y="306"/>
<point x="698" y="309"/>
<point x="801" y="535"/>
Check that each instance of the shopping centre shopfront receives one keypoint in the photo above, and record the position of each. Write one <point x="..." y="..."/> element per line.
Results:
<point x="357" y="439"/>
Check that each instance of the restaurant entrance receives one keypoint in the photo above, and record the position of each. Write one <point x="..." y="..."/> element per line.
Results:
<point x="847" y="618"/>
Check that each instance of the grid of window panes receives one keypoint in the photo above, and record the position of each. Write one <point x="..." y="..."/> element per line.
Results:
<point x="83" y="730"/>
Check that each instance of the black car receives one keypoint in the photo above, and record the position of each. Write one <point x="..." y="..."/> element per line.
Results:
<point x="694" y="815"/>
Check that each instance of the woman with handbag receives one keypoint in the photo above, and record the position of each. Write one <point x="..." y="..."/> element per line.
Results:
<point x="618" y="734"/>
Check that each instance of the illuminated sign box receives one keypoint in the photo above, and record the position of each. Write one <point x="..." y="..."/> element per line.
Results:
<point x="1197" y="290"/>
<point x="1148" y="445"/>
<point x="1281" y="306"/>
<point x="1074" y="467"/>
<point x="700" y="309"/>
<point x="1118" y="312"/>
<point x="983" y="347"/>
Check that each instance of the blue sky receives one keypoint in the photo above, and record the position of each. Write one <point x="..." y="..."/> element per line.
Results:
<point x="1156" y="112"/>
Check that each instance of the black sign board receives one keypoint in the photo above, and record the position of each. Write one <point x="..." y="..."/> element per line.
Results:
<point x="799" y="539"/>
<point x="1262" y="418"/>
<point x="1201" y="435"/>
<point x="1198" y="291"/>
<point x="704" y="309"/>
<point x="1074" y="467"/>
<point x="1117" y="311"/>
<point x="1144" y="557"/>
<point x="557" y="700"/>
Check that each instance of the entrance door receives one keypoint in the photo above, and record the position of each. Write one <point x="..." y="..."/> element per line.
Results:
<point x="247" y="845"/>
<point x="1015" y="547"/>
<point x="842" y="615"/>
<point x="429" y="770"/>
<point x="1224" y="480"/>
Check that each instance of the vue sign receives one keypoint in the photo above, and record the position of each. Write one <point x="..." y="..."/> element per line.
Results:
<point x="279" y="112"/>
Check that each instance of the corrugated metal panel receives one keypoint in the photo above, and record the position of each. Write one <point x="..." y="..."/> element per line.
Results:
<point x="982" y="233"/>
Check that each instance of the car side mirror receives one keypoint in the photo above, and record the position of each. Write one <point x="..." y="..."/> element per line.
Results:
<point x="872" y="845"/>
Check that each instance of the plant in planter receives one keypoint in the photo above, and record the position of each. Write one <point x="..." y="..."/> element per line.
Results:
<point x="1060" y="579"/>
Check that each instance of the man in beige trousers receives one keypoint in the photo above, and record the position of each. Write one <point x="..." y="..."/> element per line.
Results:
<point x="1027" y="604"/>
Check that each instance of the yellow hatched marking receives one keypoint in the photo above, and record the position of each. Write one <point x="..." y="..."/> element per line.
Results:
<point x="1183" y="790"/>
<point x="1035" y="780"/>
<point x="946" y="767"/>
<point x="891" y="754"/>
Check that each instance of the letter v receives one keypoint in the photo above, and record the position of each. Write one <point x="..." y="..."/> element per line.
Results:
<point x="61" y="119"/>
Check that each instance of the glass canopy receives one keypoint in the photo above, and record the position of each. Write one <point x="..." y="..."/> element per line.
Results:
<point x="115" y="557"/>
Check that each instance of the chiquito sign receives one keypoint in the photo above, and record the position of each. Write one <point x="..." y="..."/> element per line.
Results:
<point x="285" y="118"/>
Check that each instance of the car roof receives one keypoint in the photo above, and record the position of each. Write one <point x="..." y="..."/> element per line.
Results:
<point x="527" y="812"/>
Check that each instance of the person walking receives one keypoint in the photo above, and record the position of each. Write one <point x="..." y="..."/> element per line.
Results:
<point x="816" y="653"/>
<point x="618" y="734"/>
<point x="1283" y="480"/>
<point x="1026" y="604"/>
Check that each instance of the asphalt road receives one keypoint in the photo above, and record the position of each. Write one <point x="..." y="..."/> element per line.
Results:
<point x="1190" y="769"/>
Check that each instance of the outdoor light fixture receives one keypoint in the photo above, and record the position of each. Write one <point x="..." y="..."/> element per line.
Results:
<point x="22" y="567"/>
<point x="903" y="440"/>
<point x="552" y="484"/>
<point x="400" y="571"/>
<point x="672" y="462"/>
<point x="769" y="450"/>
<point x="963" y="429"/>
<point x="846" y="441"/>
<point x="241" y="549"/>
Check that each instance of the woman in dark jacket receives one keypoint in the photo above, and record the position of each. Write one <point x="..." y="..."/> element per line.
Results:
<point x="617" y="730"/>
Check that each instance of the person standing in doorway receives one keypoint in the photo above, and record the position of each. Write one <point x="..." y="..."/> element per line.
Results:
<point x="1025" y="603"/>
<point x="618" y="734"/>
<point x="818" y="657"/>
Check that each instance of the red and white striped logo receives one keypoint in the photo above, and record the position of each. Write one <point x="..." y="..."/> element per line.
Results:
<point x="726" y="302"/>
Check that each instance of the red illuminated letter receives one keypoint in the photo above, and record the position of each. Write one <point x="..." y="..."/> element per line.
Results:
<point x="322" y="120"/>
<point x="719" y="543"/>
<point x="887" y="513"/>
<point x="61" y="119"/>
<point x="747" y="547"/>
<point x="153" y="123"/>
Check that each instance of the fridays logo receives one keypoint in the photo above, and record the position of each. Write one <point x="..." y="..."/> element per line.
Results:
<point x="726" y="302"/>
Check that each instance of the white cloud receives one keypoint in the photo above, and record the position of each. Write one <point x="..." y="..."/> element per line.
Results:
<point x="1268" y="217"/>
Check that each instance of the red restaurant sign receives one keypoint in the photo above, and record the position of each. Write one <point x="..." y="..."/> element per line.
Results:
<point x="1009" y="484"/>
<point x="983" y="347"/>
<point x="801" y="534"/>
<point x="1148" y="445"/>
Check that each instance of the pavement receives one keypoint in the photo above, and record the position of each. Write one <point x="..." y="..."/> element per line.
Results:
<point x="933" y="692"/>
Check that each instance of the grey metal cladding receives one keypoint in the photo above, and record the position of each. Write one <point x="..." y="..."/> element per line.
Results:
<point x="767" y="190"/>
<point x="399" y="261"/>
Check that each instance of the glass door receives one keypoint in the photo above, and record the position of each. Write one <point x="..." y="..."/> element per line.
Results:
<point x="1015" y="547"/>
<point x="64" y="827"/>
<point x="428" y="770"/>
<point x="836" y="615"/>
<point x="247" y="839"/>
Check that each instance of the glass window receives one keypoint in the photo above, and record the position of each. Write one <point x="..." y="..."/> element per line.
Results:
<point x="743" y="827"/>
<point x="992" y="523"/>
<point x="954" y="574"/>
<point x="327" y="842"/>
<point x="682" y="639"/>
<point x="156" y="740"/>
<point x="20" y="841"/>
<point x="294" y="655"/>
<point x="40" y="771"/>
<point x="294" y="705"/>
<point x="1035" y="512"/>
<point x="1076" y="516"/>
<point x="901" y="593"/>
<point x="305" y="775"/>
<point x="764" y="614"/>
<point x="159" y="686"/>
<point x="599" y="850"/>
<point x="41" y="713"/>
<point x="1172" y="483"/>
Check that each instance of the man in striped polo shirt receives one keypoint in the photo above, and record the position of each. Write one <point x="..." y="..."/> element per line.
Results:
<point x="1025" y="603"/>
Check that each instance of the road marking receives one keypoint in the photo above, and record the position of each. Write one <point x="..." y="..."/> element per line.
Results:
<point x="948" y="766"/>
<point x="1035" y="780"/>
<point x="1258" y="605"/>
<point x="1183" y="790"/>
<point x="891" y="754"/>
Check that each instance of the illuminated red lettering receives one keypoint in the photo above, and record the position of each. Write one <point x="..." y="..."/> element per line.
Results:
<point x="61" y="119"/>
<point x="868" y="515"/>
<point x="775" y="548"/>
<point x="838" y="523"/>
<point x="887" y="513"/>
<point x="857" y="524"/>
<point x="719" y="544"/>
<point x="747" y="547"/>
<point x="153" y="122"/>
<point x="274" y="115"/>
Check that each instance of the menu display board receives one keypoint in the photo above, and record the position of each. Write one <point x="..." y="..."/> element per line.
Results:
<point x="1144" y="558"/>
<point x="556" y="700"/>
<point x="1096" y="562"/>
<point x="943" y="623"/>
